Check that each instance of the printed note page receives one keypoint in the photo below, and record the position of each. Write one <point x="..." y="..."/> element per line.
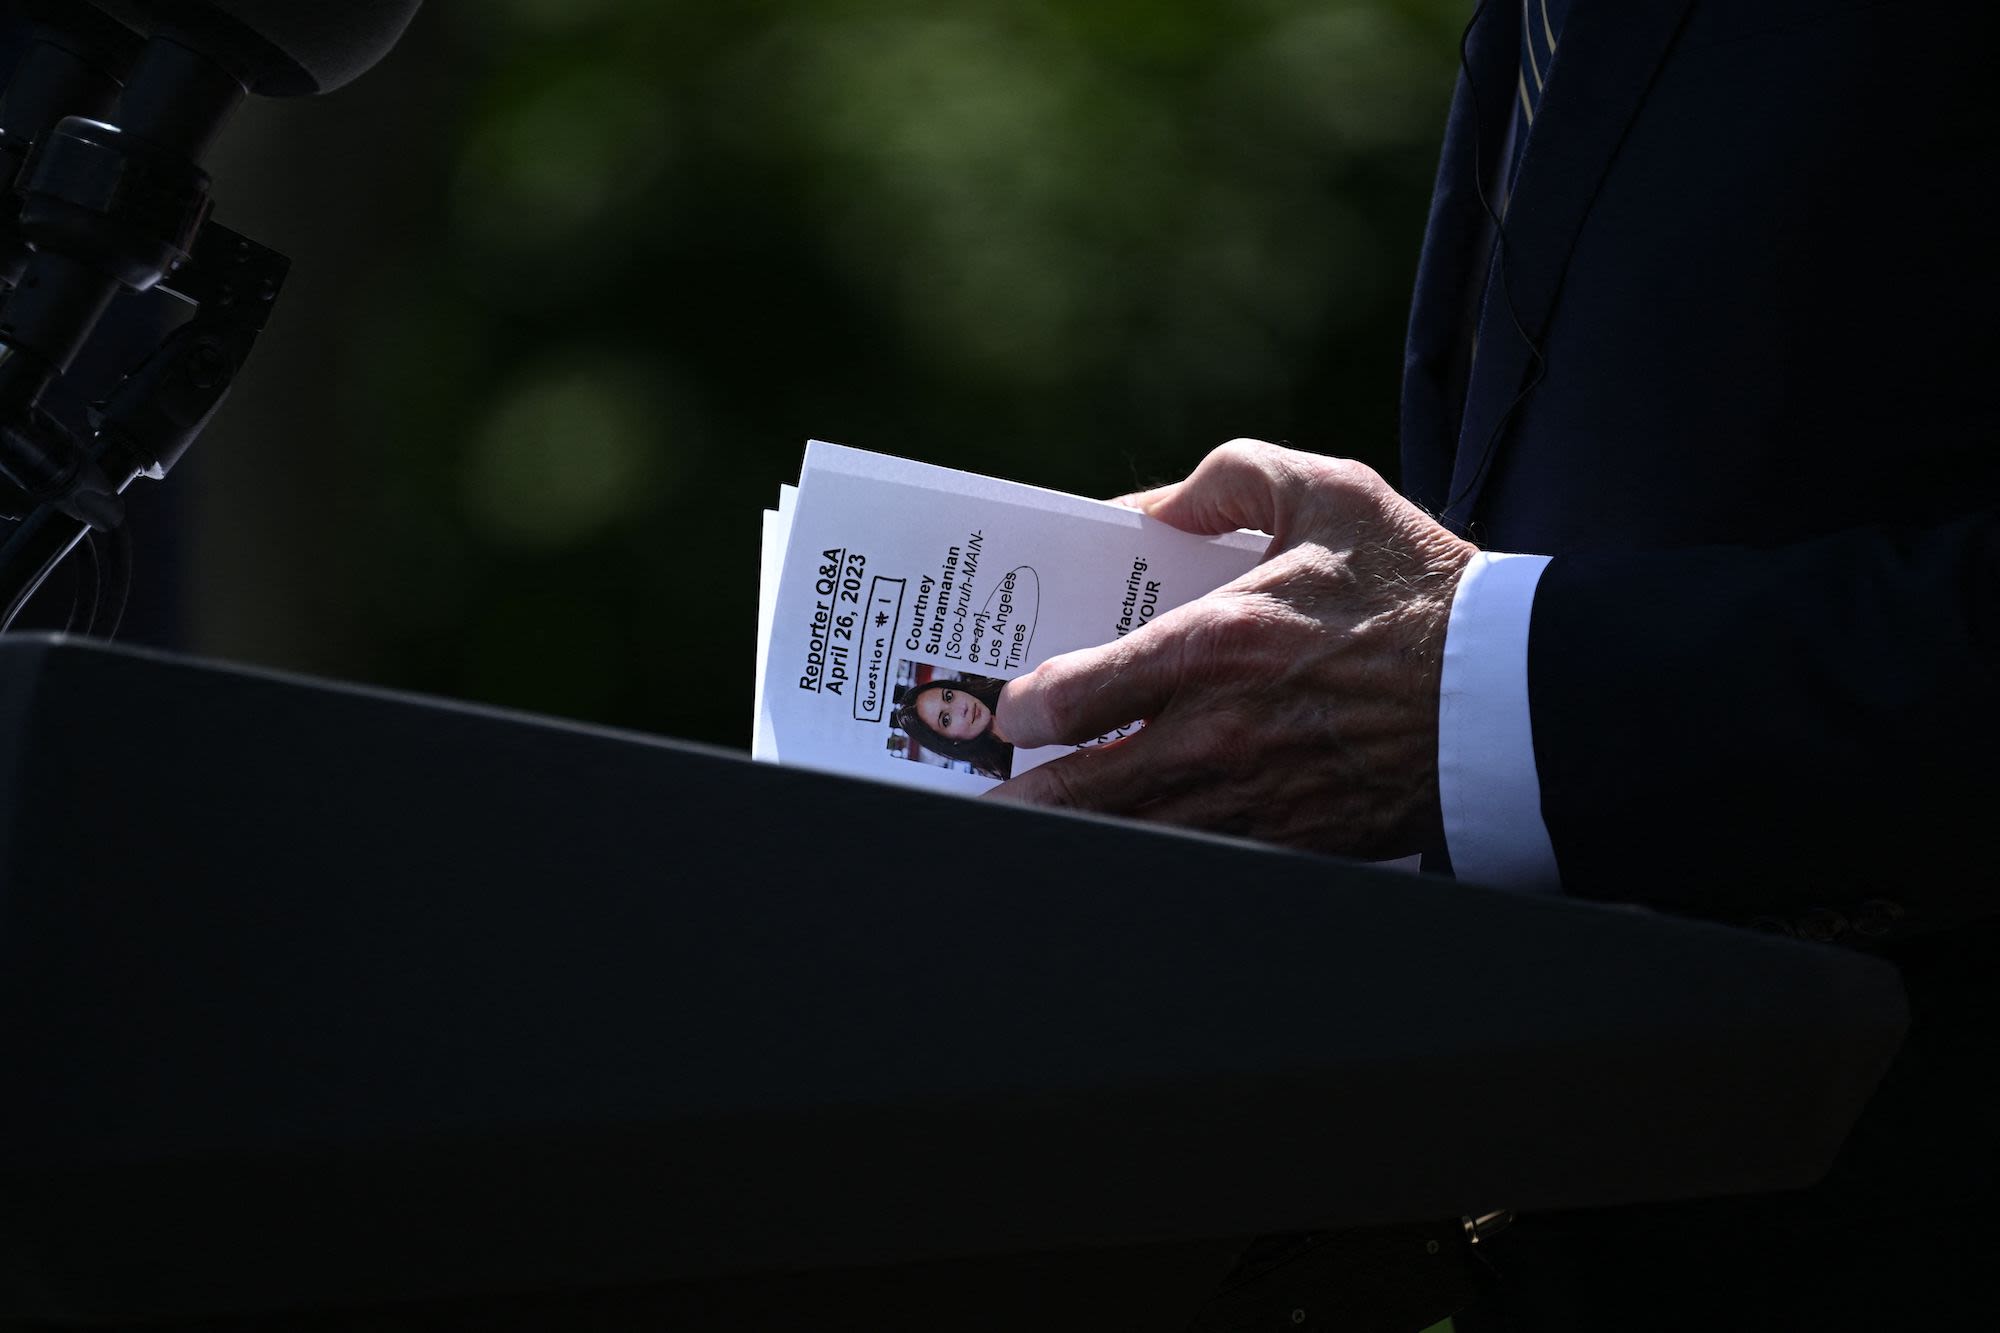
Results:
<point x="910" y="594"/>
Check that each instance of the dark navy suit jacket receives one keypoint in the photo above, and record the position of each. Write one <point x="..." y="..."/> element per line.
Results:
<point x="1750" y="408"/>
<point x="1751" y="243"/>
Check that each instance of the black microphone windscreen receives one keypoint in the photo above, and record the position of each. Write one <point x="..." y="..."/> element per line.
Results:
<point x="279" y="48"/>
<point x="88" y="32"/>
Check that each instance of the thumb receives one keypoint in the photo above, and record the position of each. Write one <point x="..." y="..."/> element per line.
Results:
<point x="1242" y="484"/>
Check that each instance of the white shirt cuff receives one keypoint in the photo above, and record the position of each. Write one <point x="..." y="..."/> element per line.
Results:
<point x="1487" y="784"/>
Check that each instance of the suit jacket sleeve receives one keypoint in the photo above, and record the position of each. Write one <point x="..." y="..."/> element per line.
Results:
<point x="1735" y="732"/>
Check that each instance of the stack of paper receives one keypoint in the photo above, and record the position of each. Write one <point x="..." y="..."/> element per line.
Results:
<point x="897" y="598"/>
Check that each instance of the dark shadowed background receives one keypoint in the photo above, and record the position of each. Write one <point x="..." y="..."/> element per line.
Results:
<point x="574" y="280"/>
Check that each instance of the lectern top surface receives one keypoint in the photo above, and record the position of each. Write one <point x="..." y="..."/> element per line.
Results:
<point x="273" y="935"/>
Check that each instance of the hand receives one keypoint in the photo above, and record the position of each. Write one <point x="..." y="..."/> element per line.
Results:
<point x="1298" y="704"/>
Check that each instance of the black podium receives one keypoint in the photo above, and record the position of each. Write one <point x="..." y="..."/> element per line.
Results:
<point x="320" y="1003"/>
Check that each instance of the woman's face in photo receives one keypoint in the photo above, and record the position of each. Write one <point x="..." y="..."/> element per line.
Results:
<point x="953" y="713"/>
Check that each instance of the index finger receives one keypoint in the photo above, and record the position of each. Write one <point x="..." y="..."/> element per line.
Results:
<point x="1120" y="778"/>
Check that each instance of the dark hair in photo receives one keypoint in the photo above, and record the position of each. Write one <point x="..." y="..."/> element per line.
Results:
<point x="985" y="752"/>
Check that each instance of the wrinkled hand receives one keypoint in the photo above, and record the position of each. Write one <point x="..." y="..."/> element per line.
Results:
<point x="1298" y="704"/>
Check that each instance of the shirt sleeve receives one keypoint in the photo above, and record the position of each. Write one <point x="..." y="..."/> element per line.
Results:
<point x="1487" y="782"/>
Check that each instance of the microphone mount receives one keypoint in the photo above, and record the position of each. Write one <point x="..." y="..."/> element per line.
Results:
<point x="98" y="208"/>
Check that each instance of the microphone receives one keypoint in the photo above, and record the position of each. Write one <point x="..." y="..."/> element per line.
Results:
<point x="99" y="207"/>
<point x="276" y="48"/>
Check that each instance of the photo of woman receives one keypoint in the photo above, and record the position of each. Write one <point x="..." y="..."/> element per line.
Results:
<point x="948" y="716"/>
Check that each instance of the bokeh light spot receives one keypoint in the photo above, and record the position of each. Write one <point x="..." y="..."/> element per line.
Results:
<point x="566" y="456"/>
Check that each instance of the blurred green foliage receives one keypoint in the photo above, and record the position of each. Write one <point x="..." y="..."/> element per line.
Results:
<point x="1067" y="242"/>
